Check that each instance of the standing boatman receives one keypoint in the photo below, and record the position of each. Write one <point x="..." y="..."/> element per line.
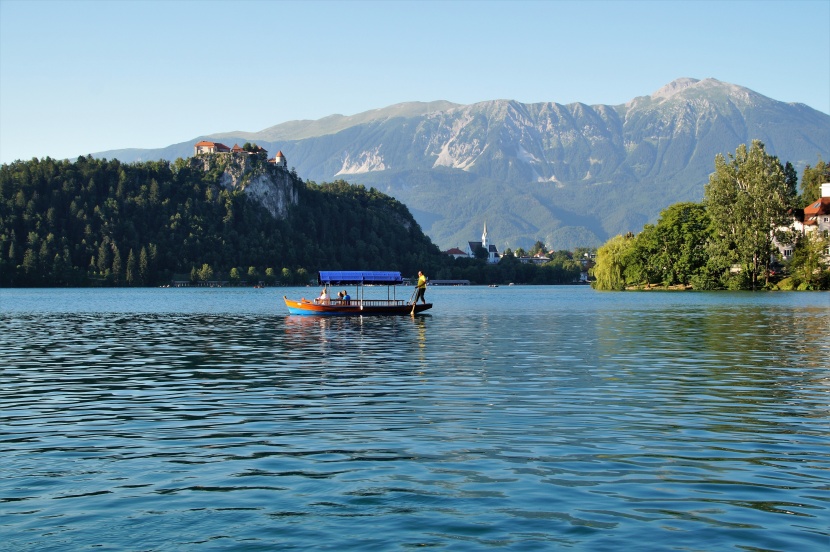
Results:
<point x="421" y="286"/>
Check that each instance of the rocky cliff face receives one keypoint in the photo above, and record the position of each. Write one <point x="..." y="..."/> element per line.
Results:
<point x="273" y="187"/>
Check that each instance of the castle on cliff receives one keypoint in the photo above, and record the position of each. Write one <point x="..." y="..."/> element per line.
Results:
<point x="216" y="147"/>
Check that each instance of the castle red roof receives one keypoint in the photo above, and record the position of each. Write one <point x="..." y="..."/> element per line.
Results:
<point x="217" y="145"/>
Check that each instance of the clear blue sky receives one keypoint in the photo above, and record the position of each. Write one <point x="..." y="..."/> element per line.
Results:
<point x="81" y="77"/>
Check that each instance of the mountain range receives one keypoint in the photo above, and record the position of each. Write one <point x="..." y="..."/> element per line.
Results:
<point x="567" y="175"/>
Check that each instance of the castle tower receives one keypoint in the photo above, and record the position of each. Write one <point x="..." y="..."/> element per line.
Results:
<point x="280" y="160"/>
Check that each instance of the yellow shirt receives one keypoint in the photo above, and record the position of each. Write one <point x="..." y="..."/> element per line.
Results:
<point x="422" y="281"/>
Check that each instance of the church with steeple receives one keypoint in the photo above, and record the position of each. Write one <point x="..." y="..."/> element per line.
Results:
<point x="492" y="251"/>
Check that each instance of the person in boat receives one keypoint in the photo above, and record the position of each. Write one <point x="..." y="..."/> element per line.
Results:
<point x="421" y="286"/>
<point x="347" y="299"/>
<point x="340" y="297"/>
<point x="324" y="297"/>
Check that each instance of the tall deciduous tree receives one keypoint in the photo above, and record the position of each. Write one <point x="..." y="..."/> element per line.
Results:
<point x="682" y="234"/>
<point x="811" y="180"/>
<point x="610" y="266"/>
<point x="791" y="178"/>
<point x="807" y="262"/>
<point x="747" y="199"/>
<point x="643" y="264"/>
<point x="205" y="274"/>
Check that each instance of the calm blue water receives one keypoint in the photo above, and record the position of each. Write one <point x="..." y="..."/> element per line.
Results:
<point x="526" y="418"/>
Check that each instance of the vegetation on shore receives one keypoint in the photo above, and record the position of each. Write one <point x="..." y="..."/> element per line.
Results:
<point x="729" y="240"/>
<point x="96" y="222"/>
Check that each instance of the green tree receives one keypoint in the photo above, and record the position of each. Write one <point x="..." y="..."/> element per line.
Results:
<point x="12" y="251"/>
<point x="537" y="248"/>
<point x="234" y="276"/>
<point x="143" y="267"/>
<point x="30" y="262"/>
<point x="747" y="200"/>
<point x="205" y="274"/>
<point x="643" y="263"/>
<point x="561" y="269"/>
<point x="152" y="262"/>
<point x="811" y="180"/>
<point x="131" y="273"/>
<point x="791" y="179"/>
<point x="104" y="257"/>
<point x="253" y="275"/>
<point x="681" y="236"/>
<point x="807" y="263"/>
<point x="117" y="266"/>
<point x="610" y="265"/>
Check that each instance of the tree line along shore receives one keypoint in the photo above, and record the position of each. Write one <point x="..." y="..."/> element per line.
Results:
<point x="749" y="232"/>
<point x="97" y="222"/>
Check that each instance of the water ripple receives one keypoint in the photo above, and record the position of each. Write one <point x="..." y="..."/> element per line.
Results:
<point x="701" y="423"/>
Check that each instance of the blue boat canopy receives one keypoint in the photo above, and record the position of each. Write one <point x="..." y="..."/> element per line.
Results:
<point x="359" y="277"/>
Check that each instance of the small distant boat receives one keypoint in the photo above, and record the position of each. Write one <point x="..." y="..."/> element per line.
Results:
<point x="358" y="305"/>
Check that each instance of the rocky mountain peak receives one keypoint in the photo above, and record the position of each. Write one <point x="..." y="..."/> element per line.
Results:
<point x="674" y="87"/>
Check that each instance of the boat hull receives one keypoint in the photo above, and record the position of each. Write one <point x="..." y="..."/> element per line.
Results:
<point x="356" y="308"/>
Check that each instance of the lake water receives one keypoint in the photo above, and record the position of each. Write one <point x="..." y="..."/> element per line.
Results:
<point x="522" y="417"/>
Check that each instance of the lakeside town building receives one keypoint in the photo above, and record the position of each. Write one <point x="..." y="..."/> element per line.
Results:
<point x="813" y="218"/>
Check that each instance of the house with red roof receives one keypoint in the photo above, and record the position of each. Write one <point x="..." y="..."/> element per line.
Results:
<point x="813" y="218"/>
<point x="455" y="253"/>
<point x="817" y="214"/>
<point x="210" y="147"/>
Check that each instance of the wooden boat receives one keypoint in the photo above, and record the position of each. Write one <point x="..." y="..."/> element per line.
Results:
<point x="358" y="305"/>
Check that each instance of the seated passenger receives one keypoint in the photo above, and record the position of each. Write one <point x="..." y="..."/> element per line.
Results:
<point x="324" y="298"/>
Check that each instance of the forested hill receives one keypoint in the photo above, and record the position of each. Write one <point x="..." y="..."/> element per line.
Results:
<point x="99" y="222"/>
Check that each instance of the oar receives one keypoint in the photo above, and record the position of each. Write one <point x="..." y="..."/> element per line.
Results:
<point x="411" y="297"/>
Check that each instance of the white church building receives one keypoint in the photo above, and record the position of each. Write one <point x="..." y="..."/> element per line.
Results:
<point x="492" y="251"/>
